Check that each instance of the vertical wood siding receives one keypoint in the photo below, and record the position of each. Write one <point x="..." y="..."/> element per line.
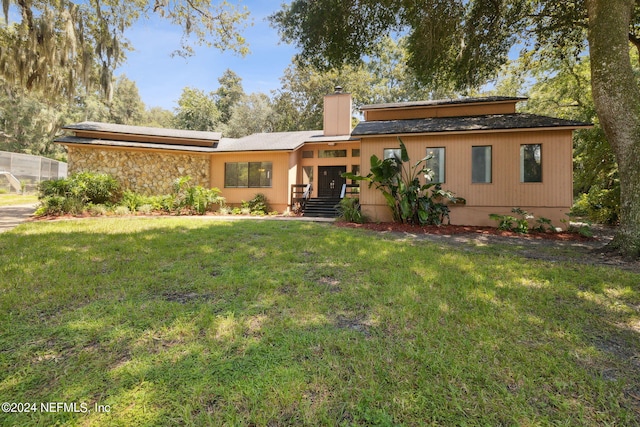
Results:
<point x="555" y="190"/>
<point x="440" y="111"/>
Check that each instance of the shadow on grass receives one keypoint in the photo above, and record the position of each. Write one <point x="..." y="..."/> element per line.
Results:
<point x="188" y="322"/>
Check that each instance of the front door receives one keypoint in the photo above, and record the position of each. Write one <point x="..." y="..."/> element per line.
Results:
<point x="330" y="181"/>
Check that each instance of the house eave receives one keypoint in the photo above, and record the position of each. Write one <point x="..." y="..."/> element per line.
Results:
<point x="479" y="131"/>
<point x="443" y="103"/>
<point x="104" y="143"/>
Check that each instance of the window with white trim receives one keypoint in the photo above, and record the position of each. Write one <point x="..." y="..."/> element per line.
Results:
<point x="531" y="163"/>
<point x="436" y="162"/>
<point x="481" y="164"/>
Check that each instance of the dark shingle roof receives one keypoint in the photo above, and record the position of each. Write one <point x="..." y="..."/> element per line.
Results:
<point x="464" y="124"/>
<point x="438" y="102"/>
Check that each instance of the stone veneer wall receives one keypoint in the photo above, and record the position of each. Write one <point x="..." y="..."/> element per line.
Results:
<point x="145" y="172"/>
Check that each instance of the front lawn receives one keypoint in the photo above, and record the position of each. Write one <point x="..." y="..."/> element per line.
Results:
<point x="17" y="199"/>
<point x="181" y="321"/>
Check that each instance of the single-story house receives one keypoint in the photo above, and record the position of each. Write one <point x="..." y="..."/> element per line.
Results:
<point x="482" y="150"/>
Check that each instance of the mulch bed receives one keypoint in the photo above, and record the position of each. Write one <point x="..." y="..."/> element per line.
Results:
<point x="461" y="229"/>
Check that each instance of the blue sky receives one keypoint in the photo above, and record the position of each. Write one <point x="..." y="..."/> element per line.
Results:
<point x="161" y="78"/>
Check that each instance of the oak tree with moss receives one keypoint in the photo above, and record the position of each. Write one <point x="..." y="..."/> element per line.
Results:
<point x="57" y="46"/>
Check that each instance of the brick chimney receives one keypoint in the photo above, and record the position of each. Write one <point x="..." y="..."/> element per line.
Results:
<point x="337" y="113"/>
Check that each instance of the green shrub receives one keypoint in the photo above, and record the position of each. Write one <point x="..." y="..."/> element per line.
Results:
<point x="97" y="210"/>
<point x="96" y="188"/>
<point x="145" y="209"/>
<point x="194" y="198"/>
<point x="122" y="210"/>
<point x="599" y="205"/>
<point x="544" y="225"/>
<point x="55" y="187"/>
<point x="349" y="210"/>
<point x="75" y="194"/>
<point x="132" y="200"/>
<point x="520" y="223"/>
<point x="51" y="205"/>
<point x="256" y="206"/>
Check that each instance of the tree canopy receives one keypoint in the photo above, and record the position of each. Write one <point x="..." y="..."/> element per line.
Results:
<point x="459" y="41"/>
<point x="58" y="43"/>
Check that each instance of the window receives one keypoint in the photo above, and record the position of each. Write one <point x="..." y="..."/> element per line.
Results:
<point x="481" y="165"/>
<point x="307" y="154"/>
<point x="531" y="163"/>
<point x="436" y="164"/>
<point x="390" y="153"/>
<point x="326" y="154"/>
<point x="247" y="174"/>
<point x="355" y="152"/>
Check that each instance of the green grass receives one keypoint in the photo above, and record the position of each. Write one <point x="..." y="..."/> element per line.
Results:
<point x="17" y="199"/>
<point x="178" y="321"/>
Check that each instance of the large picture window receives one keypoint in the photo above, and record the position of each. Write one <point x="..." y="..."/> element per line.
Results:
<point x="247" y="175"/>
<point x="481" y="165"/>
<point x="531" y="163"/>
<point x="436" y="164"/>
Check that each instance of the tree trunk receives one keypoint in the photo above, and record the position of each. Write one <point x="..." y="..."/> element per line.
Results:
<point x="617" y="100"/>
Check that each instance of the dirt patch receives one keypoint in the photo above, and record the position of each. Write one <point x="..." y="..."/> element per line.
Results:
<point x="449" y="230"/>
<point x="552" y="247"/>
<point x="187" y="297"/>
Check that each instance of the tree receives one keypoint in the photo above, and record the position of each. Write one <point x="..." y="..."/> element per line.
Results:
<point x="466" y="42"/>
<point x="616" y="95"/>
<point x="126" y="107"/>
<point x="252" y="114"/>
<point x="228" y="94"/>
<point x="299" y="102"/>
<point x="28" y="124"/>
<point x="196" y="111"/>
<point x="158" y="117"/>
<point x="58" y="42"/>
<point x="384" y="77"/>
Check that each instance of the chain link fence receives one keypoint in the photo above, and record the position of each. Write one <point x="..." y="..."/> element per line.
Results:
<point x="28" y="170"/>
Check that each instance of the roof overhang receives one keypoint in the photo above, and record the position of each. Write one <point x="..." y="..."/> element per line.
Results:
<point x="472" y="124"/>
<point x="150" y="132"/>
<point x="445" y="102"/>
<point x="75" y="141"/>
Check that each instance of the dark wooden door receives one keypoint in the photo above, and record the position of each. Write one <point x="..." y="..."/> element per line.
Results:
<point x="330" y="181"/>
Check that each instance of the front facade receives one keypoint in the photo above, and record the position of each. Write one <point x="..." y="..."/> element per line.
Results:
<point x="482" y="150"/>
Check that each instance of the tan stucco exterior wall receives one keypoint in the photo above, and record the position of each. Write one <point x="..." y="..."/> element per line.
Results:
<point x="349" y="162"/>
<point x="277" y="195"/>
<point x="144" y="171"/>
